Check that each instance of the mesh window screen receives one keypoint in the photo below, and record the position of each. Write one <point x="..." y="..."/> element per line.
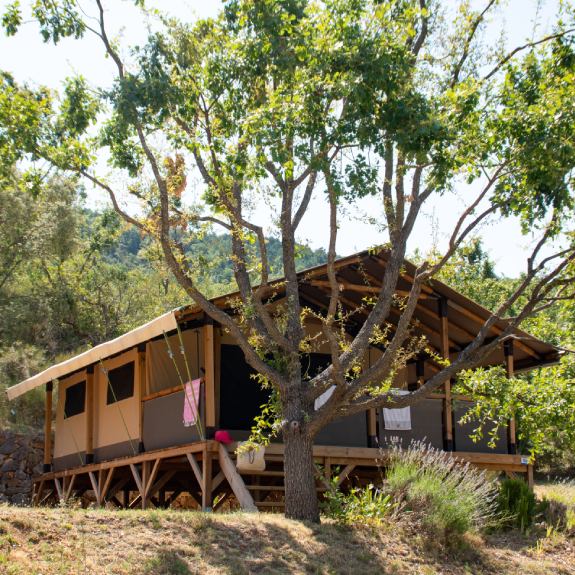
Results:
<point x="121" y="384"/>
<point x="75" y="399"/>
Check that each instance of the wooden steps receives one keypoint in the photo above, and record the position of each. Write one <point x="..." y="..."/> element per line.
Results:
<point x="270" y="504"/>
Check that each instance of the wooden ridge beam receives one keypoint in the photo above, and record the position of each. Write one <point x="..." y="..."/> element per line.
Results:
<point x="478" y="319"/>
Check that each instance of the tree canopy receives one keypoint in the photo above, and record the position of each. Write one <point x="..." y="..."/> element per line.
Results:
<point x="276" y="102"/>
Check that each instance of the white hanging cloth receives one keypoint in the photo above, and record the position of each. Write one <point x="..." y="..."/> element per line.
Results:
<point x="322" y="399"/>
<point x="397" y="419"/>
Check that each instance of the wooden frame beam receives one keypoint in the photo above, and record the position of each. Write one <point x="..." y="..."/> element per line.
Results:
<point x="508" y="352"/>
<point x="143" y="390"/>
<point x="90" y="392"/>
<point x="209" y="377"/>
<point x="48" y="428"/>
<point x="478" y="319"/>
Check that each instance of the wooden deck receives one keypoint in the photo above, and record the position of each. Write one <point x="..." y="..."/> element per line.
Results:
<point x="207" y="473"/>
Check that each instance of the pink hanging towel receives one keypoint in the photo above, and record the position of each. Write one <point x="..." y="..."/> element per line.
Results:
<point x="191" y="402"/>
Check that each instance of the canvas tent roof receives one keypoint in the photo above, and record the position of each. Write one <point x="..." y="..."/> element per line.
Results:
<point x="356" y="273"/>
<point x="165" y="323"/>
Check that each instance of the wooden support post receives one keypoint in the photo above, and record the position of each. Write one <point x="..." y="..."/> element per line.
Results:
<point x="38" y="493"/>
<point x="510" y="368"/>
<point x="207" y="480"/>
<point x="530" y="478"/>
<point x="90" y="391"/>
<point x="447" y="404"/>
<point x="371" y="414"/>
<point x="195" y="468"/>
<point x="143" y="393"/>
<point x="95" y="487"/>
<point x="69" y="487"/>
<point x="327" y="469"/>
<point x="372" y="440"/>
<point x="209" y="379"/>
<point x="144" y="483"/>
<point x="104" y="488"/>
<point x="48" y="428"/>
<point x="217" y="371"/>
<point x="59" y="489"/>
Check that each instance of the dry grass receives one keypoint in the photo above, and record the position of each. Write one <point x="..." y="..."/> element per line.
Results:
<point x="563" y="491"/>
<point x="76" y="541"/>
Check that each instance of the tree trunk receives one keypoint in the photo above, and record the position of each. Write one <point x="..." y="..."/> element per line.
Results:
<point x="300" y="492"/>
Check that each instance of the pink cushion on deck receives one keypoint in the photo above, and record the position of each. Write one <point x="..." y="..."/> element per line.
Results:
<point x="223" y="437"/>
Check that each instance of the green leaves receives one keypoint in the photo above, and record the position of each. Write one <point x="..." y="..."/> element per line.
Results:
<point x="536" y="134"/>
<point x="79" y="108"/>
<point x="12" y="18"/>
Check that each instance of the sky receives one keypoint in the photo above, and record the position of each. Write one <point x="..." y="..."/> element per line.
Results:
<point x="30" y="60"/>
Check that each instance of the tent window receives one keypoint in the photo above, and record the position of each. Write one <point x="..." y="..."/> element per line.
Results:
<point x="121" y="384"/>
<point x="75" y="399"/>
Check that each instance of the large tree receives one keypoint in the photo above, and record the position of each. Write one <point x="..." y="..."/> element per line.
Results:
<point x="277" y="102"/>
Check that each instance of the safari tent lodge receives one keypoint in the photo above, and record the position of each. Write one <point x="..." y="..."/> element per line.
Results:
<point x="136" y="418"/>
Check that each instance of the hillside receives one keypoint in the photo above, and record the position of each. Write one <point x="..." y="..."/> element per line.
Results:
<point x="71" y="541"/>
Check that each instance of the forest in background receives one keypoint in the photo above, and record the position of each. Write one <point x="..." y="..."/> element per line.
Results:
<point x="72" y="277"/>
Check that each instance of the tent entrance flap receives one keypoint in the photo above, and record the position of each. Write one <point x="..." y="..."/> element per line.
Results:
<point x="150" y="330"/>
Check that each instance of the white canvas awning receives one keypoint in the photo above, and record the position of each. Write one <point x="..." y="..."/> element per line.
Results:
<point x="164" y="323"/>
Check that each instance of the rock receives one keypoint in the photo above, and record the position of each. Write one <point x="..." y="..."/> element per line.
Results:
<point x="21" y="458"/>
<point x="21" y="499"/>
<point x="8" y="446"/>
<point x="8" y="466"/>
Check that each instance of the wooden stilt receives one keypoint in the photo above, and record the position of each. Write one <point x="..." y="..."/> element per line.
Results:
<point x="38" y="493"/>
<point x="69" y="487"/>
<point x="59" y="489"/>
<point x="95" y="487"/>
<point x="195" y="468"/>
<point x="145" y="476"/>
<point x="206" y="481"/>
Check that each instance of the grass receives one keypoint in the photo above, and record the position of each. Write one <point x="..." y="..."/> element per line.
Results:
<point x="562" y="492"/>
<point x="75" y="541"/>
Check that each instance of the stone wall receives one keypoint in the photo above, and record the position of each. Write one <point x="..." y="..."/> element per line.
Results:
<point x="20" y="459"/>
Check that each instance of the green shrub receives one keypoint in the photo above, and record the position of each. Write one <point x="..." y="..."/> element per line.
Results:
<point x="445" y="495"/>
<point x="367" y="505"/>
<point x="516" y="503"/>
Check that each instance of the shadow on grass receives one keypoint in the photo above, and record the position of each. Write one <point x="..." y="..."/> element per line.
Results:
<point x="167" y="562"/>
<point x="252" y="547"/>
